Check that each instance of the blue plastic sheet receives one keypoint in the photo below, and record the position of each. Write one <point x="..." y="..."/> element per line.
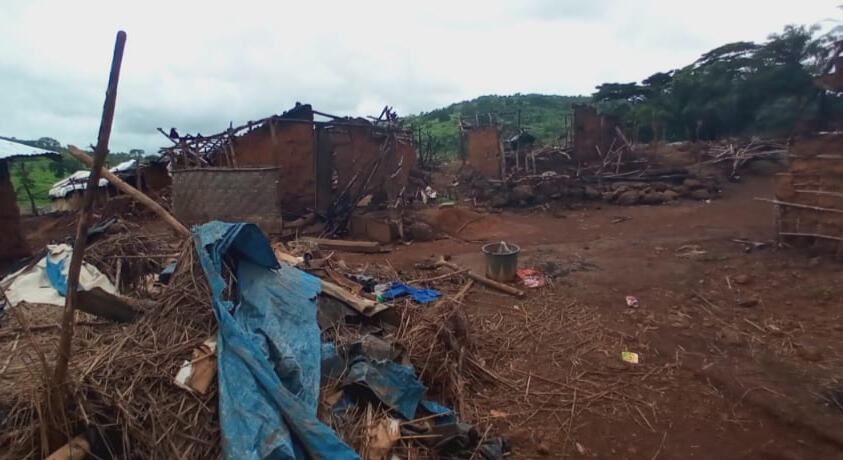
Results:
<point x="57" y="276"/>
<point x="268" y="348"/>
<point x="419" y="295"/>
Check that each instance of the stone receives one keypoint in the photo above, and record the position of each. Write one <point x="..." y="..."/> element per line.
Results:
<point x="546" y="188"/>
<point x="653" y="198"/>
<point x="742" y="279"/>
<point x="628" y="197"/>
<point x="523" y="192"/>
<point x="670" y="195"/>
<point x="700" y="194"/>
<point x="592" y="193"/>
<point x="499" y="200"/>
<point x="420" y="231"/>
<point x="748" y="303"/>
<point x="692" y="183"/>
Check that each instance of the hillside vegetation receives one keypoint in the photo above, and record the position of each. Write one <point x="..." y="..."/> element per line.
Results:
<point x="39" y="173"/>
<point x="542" y="115"/>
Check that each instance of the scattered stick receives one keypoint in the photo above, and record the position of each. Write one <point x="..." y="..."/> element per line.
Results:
<point x="482" y="279"/>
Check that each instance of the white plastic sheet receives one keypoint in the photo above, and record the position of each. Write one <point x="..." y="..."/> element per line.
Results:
<point x="33" y="285"/>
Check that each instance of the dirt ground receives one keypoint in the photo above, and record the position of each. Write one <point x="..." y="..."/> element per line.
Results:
<point x="740" y="351"/>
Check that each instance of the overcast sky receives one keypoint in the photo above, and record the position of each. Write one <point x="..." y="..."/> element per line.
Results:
<point x="199" y="65"/>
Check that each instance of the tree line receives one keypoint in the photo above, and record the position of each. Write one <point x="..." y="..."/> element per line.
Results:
<point x="738" y="89"/>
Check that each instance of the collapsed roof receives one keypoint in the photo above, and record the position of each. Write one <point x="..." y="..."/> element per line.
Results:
<point x="79" y="180"/>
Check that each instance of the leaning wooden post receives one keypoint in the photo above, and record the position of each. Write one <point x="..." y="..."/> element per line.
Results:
<point x="100" y="152"/>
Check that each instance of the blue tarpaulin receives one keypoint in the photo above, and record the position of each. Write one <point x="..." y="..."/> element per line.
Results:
<point x="269" y="350"/>
<point x="419" y="295"/>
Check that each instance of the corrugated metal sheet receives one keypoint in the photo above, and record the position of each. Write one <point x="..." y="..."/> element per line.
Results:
<point x="11" y="149"/>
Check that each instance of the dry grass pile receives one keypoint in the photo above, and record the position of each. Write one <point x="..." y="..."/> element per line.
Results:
<point x="129" y="256"/>
<point x="121" y="381"/>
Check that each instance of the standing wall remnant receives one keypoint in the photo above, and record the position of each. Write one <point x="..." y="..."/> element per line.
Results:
<point x="288" y="146"/>
<point x="483" y="150"/>
<point x="593" y="131"/>
<point x="12" y="243"/>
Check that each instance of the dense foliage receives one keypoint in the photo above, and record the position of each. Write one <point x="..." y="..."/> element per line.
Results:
<point x="38" y="174"/>
<point x="740" y="88"/>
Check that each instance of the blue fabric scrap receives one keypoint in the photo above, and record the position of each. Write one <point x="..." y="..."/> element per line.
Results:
<point x="268" y="350"/>
<point x="446" y="414"/>
<point x="419" y="295"/>
<point x="394" y="384"/>
<point x="57" y="275"/>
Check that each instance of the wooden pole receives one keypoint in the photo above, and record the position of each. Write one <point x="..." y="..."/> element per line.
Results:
<point x="131" y="191"/>
<point x="482" y="279"/>
<point x="100" y="153"/>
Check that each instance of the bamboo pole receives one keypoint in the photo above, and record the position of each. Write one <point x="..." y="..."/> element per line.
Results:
<point x="100" y="153"/>
<point x="801" y="206"/>
<point x="131" y="191"/>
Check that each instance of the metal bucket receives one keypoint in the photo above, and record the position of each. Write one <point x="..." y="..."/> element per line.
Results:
<point x="501" y="260"/>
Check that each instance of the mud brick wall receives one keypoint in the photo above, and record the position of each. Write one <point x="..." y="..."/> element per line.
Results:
<point x="592" y="130"/>
<point x="155" y="177"/>
<point x="483" y="149"/>
<point x="228" y="194"/>
<point x="12" y="243"/>
<point x="293" y="150"/>
<point x="356" y="153"/>
<point x="815" y="178"/>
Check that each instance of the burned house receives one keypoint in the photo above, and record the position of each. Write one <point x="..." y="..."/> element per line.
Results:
<point x="288" y="166"/>
<point x="150" y="176"/>
<point x="12" y="243"/>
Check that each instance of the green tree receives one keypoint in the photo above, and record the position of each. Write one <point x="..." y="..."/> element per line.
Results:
<point x="26" y="183"/>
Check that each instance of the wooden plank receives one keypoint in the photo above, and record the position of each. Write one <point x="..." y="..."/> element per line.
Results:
<point x="108" y="306"/>
<point x="346" y="245"/>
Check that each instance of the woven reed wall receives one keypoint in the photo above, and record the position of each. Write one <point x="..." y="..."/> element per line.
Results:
<point x="811" y="194"/>
<point x="228" y="194"/>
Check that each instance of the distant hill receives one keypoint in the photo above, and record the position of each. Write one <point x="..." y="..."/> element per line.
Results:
<point x="542" y="115"/>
